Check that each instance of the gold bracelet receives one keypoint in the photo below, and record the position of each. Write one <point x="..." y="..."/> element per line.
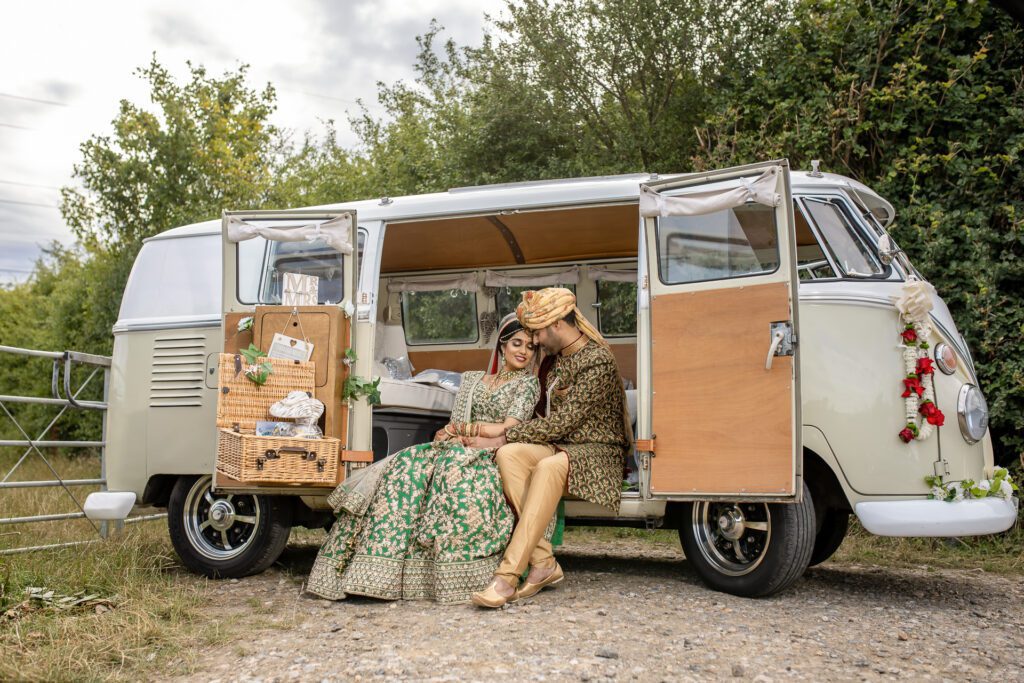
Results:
<point x="448" y="431"/>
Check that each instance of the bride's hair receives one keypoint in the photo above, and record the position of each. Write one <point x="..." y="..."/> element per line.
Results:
<point x="508" y="332"/>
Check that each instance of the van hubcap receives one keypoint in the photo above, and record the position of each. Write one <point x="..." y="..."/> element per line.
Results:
<point x="219" y="526"/>
<point x="732" y="537"/>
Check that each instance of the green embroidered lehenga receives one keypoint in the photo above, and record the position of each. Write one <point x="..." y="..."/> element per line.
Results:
<point x="430" y="521"/>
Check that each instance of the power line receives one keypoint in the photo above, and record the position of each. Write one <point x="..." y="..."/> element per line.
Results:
<point x="11" y="125"/>
<point x="34" y="99"/>
<point x="14" y="201"/>
<point x="14" y="182"/>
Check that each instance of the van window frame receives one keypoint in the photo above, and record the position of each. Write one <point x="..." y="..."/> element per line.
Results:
<point x="843" y="205"/>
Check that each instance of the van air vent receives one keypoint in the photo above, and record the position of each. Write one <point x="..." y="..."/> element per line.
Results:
<point x="176" y="378"/>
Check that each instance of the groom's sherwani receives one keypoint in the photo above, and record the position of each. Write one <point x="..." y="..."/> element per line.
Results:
<point x="586" y="420"/>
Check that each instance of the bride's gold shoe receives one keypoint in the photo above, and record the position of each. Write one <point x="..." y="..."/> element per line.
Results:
<point x="528" y="590"/>
<point x="490" y="597"/>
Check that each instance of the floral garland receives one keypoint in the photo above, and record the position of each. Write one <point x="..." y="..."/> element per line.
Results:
<point x="999" y="486"/>
<point x="918" y="385"/>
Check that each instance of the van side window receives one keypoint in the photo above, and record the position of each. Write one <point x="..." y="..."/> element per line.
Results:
<point x="507" y="298"/>
<point x="811" y="261"/>
<point x="616" y="314"/>
<point x="726" y="244"/>
<point x="446" y="317"/>
<point x="853" y="254"/>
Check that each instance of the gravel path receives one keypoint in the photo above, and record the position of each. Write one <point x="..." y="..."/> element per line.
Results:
<point x="631" y="609"/>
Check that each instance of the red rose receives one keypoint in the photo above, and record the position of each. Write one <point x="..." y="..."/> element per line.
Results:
<point x="909" y="335"/>
<point x="912" y="384"/>
<point x="924" y="366"/>
<point x="907" y="435"/>
<point x="928" y="409"/>
<point x="938" y="419"/>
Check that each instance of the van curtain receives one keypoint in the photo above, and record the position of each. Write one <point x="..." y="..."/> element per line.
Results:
<point x="336" y="232"/>
<point x="760" y="190"/>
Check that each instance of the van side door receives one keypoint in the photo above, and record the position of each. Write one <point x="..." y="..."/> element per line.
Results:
<point x="722" y="327"/>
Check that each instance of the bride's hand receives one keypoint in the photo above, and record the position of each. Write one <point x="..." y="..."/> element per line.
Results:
<point x="484" y="441"/>
<point x="442" y="435"/>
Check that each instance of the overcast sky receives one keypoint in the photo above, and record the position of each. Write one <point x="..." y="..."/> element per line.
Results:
<point x="66" y="65"/>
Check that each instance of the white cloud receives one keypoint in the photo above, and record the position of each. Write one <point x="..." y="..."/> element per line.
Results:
<point x="321" y="55"/>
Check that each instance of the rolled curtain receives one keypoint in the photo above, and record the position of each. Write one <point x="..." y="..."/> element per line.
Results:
<point x="336" y="232"/>
<point x="465" y="283"/>
<point x="596" y="273"/>
<point x="570" y="276"/>
<point x="760" y="190"/>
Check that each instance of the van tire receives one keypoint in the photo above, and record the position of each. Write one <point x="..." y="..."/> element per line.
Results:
<point x="256" y="529"/>
<point x="834" y="525"/>
<point x="773" y="548"/>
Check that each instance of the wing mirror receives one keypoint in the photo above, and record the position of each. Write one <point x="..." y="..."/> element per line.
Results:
<point x="887" y="249"/>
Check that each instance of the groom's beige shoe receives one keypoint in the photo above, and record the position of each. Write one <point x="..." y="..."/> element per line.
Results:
<point x="490" y="597"/>
<point x="528" y="590"/>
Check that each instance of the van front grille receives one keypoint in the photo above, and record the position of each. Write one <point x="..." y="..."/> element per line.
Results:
<point x="179" y="364"/>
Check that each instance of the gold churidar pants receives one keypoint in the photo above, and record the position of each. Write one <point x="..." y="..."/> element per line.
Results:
<point x="534" y="477"/>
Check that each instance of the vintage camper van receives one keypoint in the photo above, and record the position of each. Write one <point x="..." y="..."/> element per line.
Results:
<point x="750" y="309"/>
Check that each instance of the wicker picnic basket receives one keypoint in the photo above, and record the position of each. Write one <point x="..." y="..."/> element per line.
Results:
<point x="277" y="460"/>
<point x="242" y="403"/>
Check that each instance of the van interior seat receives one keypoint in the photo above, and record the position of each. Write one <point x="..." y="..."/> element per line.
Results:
<point x="403" y="393"/>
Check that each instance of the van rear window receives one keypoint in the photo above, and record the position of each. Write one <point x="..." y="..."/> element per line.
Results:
<point x="262" y="265"/>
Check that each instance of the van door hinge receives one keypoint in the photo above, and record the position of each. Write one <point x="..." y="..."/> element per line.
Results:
<point x="646" y="445"/>
<point x="941" y="468"/>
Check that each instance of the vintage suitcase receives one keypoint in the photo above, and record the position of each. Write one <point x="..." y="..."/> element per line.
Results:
<point x="278" y="460"/>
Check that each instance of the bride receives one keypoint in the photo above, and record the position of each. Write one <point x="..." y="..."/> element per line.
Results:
<point x="431" y="521"/>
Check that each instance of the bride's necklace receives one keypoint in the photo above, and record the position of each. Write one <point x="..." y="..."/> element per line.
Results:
<point x="505" y="376"/>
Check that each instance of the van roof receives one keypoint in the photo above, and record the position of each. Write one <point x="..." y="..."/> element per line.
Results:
<point x="539" y="194"/>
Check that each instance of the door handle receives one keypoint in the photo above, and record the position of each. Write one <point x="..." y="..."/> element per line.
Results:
<point x="777" y="338"/>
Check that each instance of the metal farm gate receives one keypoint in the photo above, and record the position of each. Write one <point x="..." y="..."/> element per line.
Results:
<point x="65" y="397"/>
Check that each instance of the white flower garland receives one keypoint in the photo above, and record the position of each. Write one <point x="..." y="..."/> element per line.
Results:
<point x="1001" y="485"/>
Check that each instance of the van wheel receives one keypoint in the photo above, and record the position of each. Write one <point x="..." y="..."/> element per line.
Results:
<point x="833" y="530"/>
<point x="226" y="535"/>
<point x="748" y="549"/>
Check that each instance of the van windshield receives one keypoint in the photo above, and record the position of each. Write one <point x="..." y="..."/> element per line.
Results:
<point x="262" y="265"/>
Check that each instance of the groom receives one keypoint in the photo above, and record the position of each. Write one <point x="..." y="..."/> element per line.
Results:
<point x="577" y="449"/>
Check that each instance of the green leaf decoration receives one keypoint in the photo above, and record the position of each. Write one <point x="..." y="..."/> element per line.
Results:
<point x="252" y="354"/>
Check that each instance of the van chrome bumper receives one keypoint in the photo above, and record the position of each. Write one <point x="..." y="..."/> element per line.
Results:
<point x="974" y="517"/>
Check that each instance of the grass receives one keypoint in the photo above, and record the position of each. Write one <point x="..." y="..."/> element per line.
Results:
<point x="1002" y="553"/>
<point x="155" y="617"/>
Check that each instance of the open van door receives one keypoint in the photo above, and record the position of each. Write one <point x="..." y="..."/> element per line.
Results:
<point x="260" y="247"/>
<point x="723" y="374"/>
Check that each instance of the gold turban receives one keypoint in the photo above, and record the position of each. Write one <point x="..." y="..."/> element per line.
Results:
<point x="547" y="306"/>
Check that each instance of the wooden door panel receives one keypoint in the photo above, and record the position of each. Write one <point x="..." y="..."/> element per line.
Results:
<point x="708" y="354"/>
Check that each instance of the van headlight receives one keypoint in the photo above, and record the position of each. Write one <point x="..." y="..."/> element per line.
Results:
<point x="972" y="412"/>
